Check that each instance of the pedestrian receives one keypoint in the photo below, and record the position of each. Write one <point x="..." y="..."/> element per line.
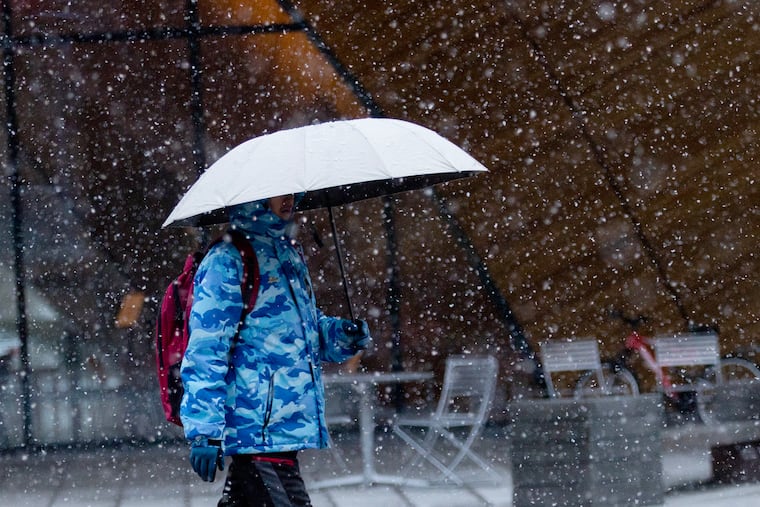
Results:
<point x="259" y="397"/>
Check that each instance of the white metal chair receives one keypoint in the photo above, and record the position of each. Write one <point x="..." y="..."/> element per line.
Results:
<point x="564" y="356"/>
<point x="468" y="389"/>
<point x="688" y="350"/>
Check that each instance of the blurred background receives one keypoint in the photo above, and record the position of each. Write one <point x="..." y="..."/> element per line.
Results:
<point x="621" y="139"/>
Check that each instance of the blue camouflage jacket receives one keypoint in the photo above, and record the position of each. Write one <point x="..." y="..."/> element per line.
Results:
<point x="264" y="393"/>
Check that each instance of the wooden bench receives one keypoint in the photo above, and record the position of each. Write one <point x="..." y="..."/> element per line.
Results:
<point x="568" y="356"/>
<point x="688" y="350"/>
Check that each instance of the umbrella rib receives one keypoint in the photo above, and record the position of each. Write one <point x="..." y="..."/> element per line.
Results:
<point x="374" y="151"/>
<point x="416" y="135"/>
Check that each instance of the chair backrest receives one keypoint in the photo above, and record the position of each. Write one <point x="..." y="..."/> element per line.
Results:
<point x="469" y="383"/>
<point x="577" y="355"/>
<point x="688" y="349"/>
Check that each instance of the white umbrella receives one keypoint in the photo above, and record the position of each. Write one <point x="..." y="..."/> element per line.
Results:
<point x="334" y="163"/>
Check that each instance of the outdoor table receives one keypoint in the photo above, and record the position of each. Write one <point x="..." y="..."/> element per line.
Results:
<point x="364" y="384"/>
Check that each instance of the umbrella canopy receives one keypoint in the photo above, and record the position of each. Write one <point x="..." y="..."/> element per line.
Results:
<point x="334" y="163"/>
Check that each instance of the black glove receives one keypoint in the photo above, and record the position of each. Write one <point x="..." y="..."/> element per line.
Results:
<point x="205" y="456"/>
<point x="358" y="331"/>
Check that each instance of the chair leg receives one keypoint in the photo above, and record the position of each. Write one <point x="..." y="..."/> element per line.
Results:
<point x="430" y="437"/>
<point x="465" y="450"/>
<point x="427" y="454"/>
<point x="338" y="456"/>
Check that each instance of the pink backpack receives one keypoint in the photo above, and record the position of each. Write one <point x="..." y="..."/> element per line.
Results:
<point x="171" y="326"/>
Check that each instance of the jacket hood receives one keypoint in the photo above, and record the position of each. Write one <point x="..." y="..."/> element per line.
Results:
<point x="256" y="218"/>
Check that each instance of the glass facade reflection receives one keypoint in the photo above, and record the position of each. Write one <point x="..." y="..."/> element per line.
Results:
<point x="114" y="110"/>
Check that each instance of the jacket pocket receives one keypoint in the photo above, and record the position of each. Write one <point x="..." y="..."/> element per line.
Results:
<point x="268" y="409"/>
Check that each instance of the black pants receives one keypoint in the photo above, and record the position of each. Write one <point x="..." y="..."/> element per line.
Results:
<point x="264" y="480"/>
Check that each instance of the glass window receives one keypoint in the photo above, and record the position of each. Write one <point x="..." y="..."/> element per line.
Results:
<point x="65" y="18"/>
<point x="262" y="83"/>
<point x="103" y="129"/>
<point x="241" y="13"/>
<point x="110" y="134"/>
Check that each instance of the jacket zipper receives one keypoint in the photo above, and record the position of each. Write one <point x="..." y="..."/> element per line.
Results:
<point x="268" y="412"/>
<point x="318" y="404"/>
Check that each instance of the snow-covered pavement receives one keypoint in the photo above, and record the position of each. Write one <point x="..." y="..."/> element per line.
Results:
<point x="160" y="476"/>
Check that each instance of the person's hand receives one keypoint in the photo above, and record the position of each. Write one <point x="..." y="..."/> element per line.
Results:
<point x="358" y="332"/>
<point x="205" y="456"/>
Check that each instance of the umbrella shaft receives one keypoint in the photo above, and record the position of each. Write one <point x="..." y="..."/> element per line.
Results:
<point x="342" y="268"/>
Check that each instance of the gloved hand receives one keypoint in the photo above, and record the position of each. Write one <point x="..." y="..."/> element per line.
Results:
<point x="358" y="331"/>
<point x="205" y="456"/>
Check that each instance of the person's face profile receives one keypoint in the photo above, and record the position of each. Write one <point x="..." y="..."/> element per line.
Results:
<point x="282" y="206"/>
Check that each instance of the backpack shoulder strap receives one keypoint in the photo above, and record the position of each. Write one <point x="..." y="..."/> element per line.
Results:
<point x="251" y="276"/>
<point x="249" y="285"/>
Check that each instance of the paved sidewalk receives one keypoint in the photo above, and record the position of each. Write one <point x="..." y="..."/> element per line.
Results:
<point x="160" y="476"/>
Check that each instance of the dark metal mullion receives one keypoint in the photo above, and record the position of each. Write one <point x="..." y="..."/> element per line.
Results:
<point x="598" y="152"/>
<point x="193" y="35"/>
<point x="393" y="298"/>
<point x="193" y="31"/>
<point x="11" y="126"/>
<point x="361" y="93"/>
<point x="519" y="342"/>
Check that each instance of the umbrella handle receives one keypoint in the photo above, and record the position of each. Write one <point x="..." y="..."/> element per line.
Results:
<point x="338" y="252"/>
